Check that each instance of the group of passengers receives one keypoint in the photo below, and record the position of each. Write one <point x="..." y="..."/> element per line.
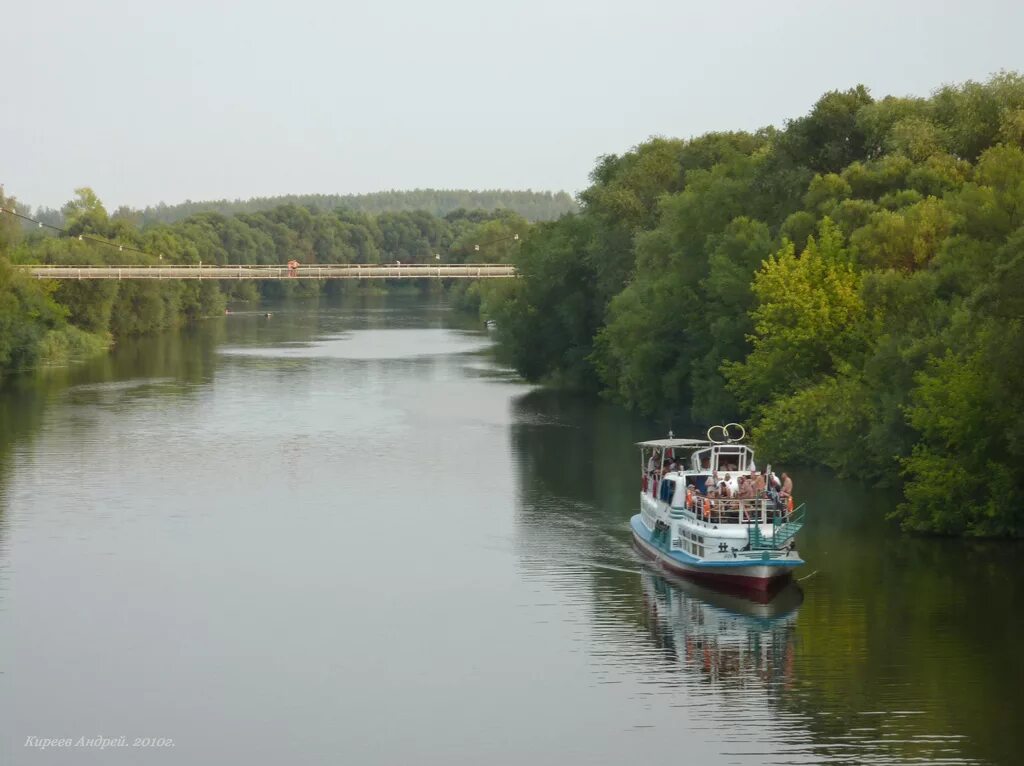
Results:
<point x="730" y="485"/>
<point x="734" y="488"/>
<point x="748" y="487"/>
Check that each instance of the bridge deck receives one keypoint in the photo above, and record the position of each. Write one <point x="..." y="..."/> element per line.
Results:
<point x="331" y="271"/>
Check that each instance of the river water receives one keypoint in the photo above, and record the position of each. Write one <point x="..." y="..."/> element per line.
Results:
<point x="343" y="534"/>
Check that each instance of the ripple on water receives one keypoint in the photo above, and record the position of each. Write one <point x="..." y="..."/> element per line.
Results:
<point x="341" y="525"/>
<point x="372" y="344"/>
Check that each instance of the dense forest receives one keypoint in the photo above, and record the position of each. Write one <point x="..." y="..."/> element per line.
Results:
<point x="531" y="205"/>
<point x="848" y="285"/>
<point x="43" y="322"/>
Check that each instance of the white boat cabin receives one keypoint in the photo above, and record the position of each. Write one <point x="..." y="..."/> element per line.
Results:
<point x="695" y="462"/>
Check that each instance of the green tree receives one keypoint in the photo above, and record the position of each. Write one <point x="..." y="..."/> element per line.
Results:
<point x="27" y="314"/>
<point x="810" y="321"/>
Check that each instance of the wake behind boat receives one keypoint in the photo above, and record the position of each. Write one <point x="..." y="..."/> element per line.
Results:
<point x="706" y="511"/>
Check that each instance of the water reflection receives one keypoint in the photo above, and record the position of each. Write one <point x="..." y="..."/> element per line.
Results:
<point x="725" y="637"/>
<point x="896" y="652"/>
<point x="236" y="495"/>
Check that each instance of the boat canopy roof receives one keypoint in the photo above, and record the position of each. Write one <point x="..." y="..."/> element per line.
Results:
<point x="672" y="443"/>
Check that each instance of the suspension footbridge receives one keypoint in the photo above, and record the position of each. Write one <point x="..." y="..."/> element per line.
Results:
<point x="326" y="271"/>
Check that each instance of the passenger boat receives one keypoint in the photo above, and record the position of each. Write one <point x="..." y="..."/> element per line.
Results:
<point x="746" y="542"/>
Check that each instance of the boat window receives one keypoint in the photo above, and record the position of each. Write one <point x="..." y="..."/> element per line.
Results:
<point x="729" y="458"/>
<point x="696" y="481"/>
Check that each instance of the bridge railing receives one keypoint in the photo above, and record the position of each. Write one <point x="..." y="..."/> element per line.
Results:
<point x="256" y="271"/>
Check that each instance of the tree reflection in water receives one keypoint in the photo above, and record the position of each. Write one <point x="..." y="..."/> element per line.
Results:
<point x="904" y="649"/>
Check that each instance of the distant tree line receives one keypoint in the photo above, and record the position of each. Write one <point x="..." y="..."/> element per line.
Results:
<point x="849" y="285"/>
<point x="47" y="322"/>
<point x="531" y="205"/>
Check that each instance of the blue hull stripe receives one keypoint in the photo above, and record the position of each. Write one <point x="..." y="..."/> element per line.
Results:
<point x="685" y="558"/>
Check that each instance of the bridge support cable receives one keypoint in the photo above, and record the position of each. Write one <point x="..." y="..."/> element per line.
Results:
<point x="444" y="270"/>
<point x="236" y="272"/>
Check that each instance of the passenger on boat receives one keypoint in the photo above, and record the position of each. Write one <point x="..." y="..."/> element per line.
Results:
<point x="746" y="494"/>
<point x="786" y="495"/>
<point x="733" y="484"/>
<point x="774" y="486"/>
<point x="787" y="485"/>
<point x="758" y="479"/>
<point x="747" y="491"/>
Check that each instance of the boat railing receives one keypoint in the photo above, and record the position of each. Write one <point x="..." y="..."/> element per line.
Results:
<point x="784" y="527"/>
<point x="770" y="526"/>
<point x="732" y="510"/>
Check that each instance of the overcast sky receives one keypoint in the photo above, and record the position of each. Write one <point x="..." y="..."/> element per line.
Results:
<point x="216" y="99"/>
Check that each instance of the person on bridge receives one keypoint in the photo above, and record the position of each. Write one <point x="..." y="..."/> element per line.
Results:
<point x="293" y="268"/>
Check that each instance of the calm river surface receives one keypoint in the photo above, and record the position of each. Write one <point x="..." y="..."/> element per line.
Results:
<point x="344" y="535"/>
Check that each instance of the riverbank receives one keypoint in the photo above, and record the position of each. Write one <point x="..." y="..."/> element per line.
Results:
<point x="50" y="322"/>
<point x="846" y="286"/>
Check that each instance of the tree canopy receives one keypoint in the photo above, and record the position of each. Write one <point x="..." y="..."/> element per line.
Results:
<point x="531" y="205"/>
<point x="846" y="284"/>
<point x="42" y="322"/>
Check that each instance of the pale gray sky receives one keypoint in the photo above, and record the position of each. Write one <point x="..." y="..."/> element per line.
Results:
<point x="212" y="99"/>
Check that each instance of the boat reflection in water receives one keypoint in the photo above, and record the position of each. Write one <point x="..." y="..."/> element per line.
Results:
<point x="728" y="636"/>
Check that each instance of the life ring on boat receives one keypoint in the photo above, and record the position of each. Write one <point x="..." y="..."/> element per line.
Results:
<point x="727" y="433"/>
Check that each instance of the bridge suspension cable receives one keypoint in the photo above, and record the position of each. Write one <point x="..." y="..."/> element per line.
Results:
<point x="127" y="248"/>
<point x="81" y="237"/>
